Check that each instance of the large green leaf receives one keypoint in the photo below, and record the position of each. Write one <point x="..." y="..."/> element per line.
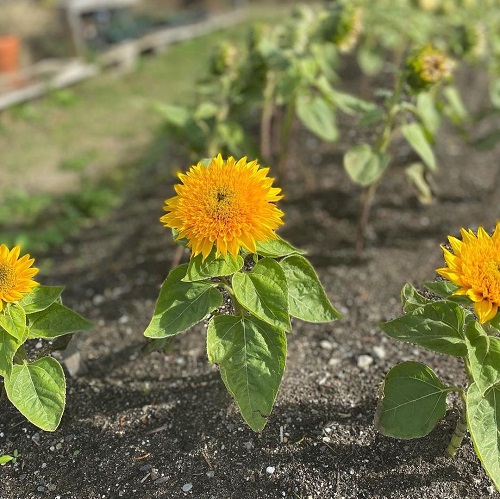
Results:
<point x="483" y="419"/>
<point x="415" y="136"/>
<point x="276" y="248"/>
<point x="38" y="391"/>
<point x="40" y="298"/>
<point x="56" y="320"/>
<point x="437" y="326"/>
<point x="181" y="304"/>
<point x="364" y="165"/>
<point x="413" y="401"/>
<point x="13" y="320"/>
<point x="264" y="292"/>
<point x="318" y="116"/>
<point x="251" y="355"/>
<point x="442" y="288"/>
<point x="8" y="348"/>
<point x="199" y="270"/>
<point x="484" y="356"/>
<point x="307" y="299"/>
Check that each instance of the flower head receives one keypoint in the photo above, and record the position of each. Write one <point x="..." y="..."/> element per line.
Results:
<point x="426" y="67"/>
<point x="228" y="204"/>
<point x="15" y="275"/>
<point x="474" y="265"/>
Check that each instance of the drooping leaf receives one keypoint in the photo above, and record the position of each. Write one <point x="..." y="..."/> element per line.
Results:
<point x="251" y="355"/>
<point x="181" y="304"/>
<point x="364" y="165"/>
<point x="56" y="320"/>
<point x="428" y="113"/>
<point x="264" y="292"/>
<point x="318" y="116"/>
<point x="199" y="270"/>
<point x="13" y="320"/>
<point x="416" y="175"/>
<point x="483" y="419"/>
<point x="276" y="248"/>
<point x="455" y="106"/>
<point x="307" y="299"/>
<point x="413" y="400"/>
<point x="40" y="298"/>
<point x="415" y="136"/>
<point x="8" y="348"/>
<point x="38" y="391"/>
<point x="484" y="356"/>
<point x="437" y="326"/>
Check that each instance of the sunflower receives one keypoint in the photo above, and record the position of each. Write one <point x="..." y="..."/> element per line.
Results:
<point x="474" y="265"/>
<point x="227" y="204"/>
<point x="15" y="275"/>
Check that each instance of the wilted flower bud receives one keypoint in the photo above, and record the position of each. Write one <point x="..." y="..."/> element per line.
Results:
<point x="223" y="58"/>
<point x="342" y="25"/>
<point x="426" y="67"/>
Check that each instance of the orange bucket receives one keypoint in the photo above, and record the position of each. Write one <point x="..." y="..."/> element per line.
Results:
<point x="9" y="54"/>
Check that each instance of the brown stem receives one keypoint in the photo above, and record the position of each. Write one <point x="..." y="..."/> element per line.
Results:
<point x="366" y="204"/>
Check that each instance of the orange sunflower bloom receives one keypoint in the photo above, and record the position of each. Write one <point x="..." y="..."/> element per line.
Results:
<point x="228" y="204"/>
<point x="15" y="275"/>
<point x="474" y="265"/>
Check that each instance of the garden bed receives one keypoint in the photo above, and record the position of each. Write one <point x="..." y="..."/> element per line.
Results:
<point x="163" y="425"/>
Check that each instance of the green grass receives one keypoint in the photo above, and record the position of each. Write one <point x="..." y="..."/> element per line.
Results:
<point x="66" y="157"/>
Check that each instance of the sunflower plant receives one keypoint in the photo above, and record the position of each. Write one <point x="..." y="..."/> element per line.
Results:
<point x="28" y="311"/>
<point x="456" y="316"/>
<point x="242" y="279"/>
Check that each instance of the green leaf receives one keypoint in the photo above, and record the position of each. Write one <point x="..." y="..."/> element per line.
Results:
<point x="251" y="355"/>
<point x="13" y="320"/>
<point x="199" y="270"/>
<point x="38" y="391"/>
<point x="483" y="419"/>
<point x="56" y="320"/>
<point x="456" y="109"/>
<point x="276" y="248"/>
<point x="5" y="459"/>
<point x="415" y="136"/>
<point x="363" y="165"/>
<point x="264" y="292"/>
<point x="318" y="116"/>
<point x="40" y="298"/>
<point x="8" y="348"/>
<point x="181" y="304"/>
<point x="415" y="173"/>
<point x="370" y="59"/>
<point x="437" y="326"/>
<point x="413" y="401"/>
<point x="484" y="356"/>
<point x="412" y="299"/>
<point x="177" y="116"/>
<point x="428" y="113"/>
<point x="350" y="104"/>
<point x="445" y="289"/>
<point x="307" y="299"/>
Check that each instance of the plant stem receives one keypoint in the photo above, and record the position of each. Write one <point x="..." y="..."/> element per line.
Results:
<point x="368" y="194"/>
<point x="285" y="138"/>
<point x="266" y="117"/>
<point x="458" y="435"/>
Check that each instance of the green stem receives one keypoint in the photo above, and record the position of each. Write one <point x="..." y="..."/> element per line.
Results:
<point x="458" y="435"/>
<point x="285" y="138"/>
<point x="213" y="147"/>
<point x="368" y="194"/>
<point x="238" y="308"/>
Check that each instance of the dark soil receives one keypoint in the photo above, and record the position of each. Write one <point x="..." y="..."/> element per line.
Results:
<point x="163" y="425"/>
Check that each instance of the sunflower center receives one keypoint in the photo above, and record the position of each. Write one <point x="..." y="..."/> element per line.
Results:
<point x="221" y="203"/>
<point x="8" y="277"/>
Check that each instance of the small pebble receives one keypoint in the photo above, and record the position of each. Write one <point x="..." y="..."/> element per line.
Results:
<point x="187" y="487"/>
<point x="326" y="345"/>
<point x="365" y="361"/>
<point x="270" y="469"/>
<point x="210" y="474"/>
<point x="379" y="352"/>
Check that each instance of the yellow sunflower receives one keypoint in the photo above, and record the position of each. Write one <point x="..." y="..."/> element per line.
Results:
<point x="228" y="204"/>
<point x="474" y="265"/>
<point x="15" y="275"/>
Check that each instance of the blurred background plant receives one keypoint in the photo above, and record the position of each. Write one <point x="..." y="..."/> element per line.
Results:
<point x="254" y="90"/>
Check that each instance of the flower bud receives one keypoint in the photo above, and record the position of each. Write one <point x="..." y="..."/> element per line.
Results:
<point x="427" y="67"/>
